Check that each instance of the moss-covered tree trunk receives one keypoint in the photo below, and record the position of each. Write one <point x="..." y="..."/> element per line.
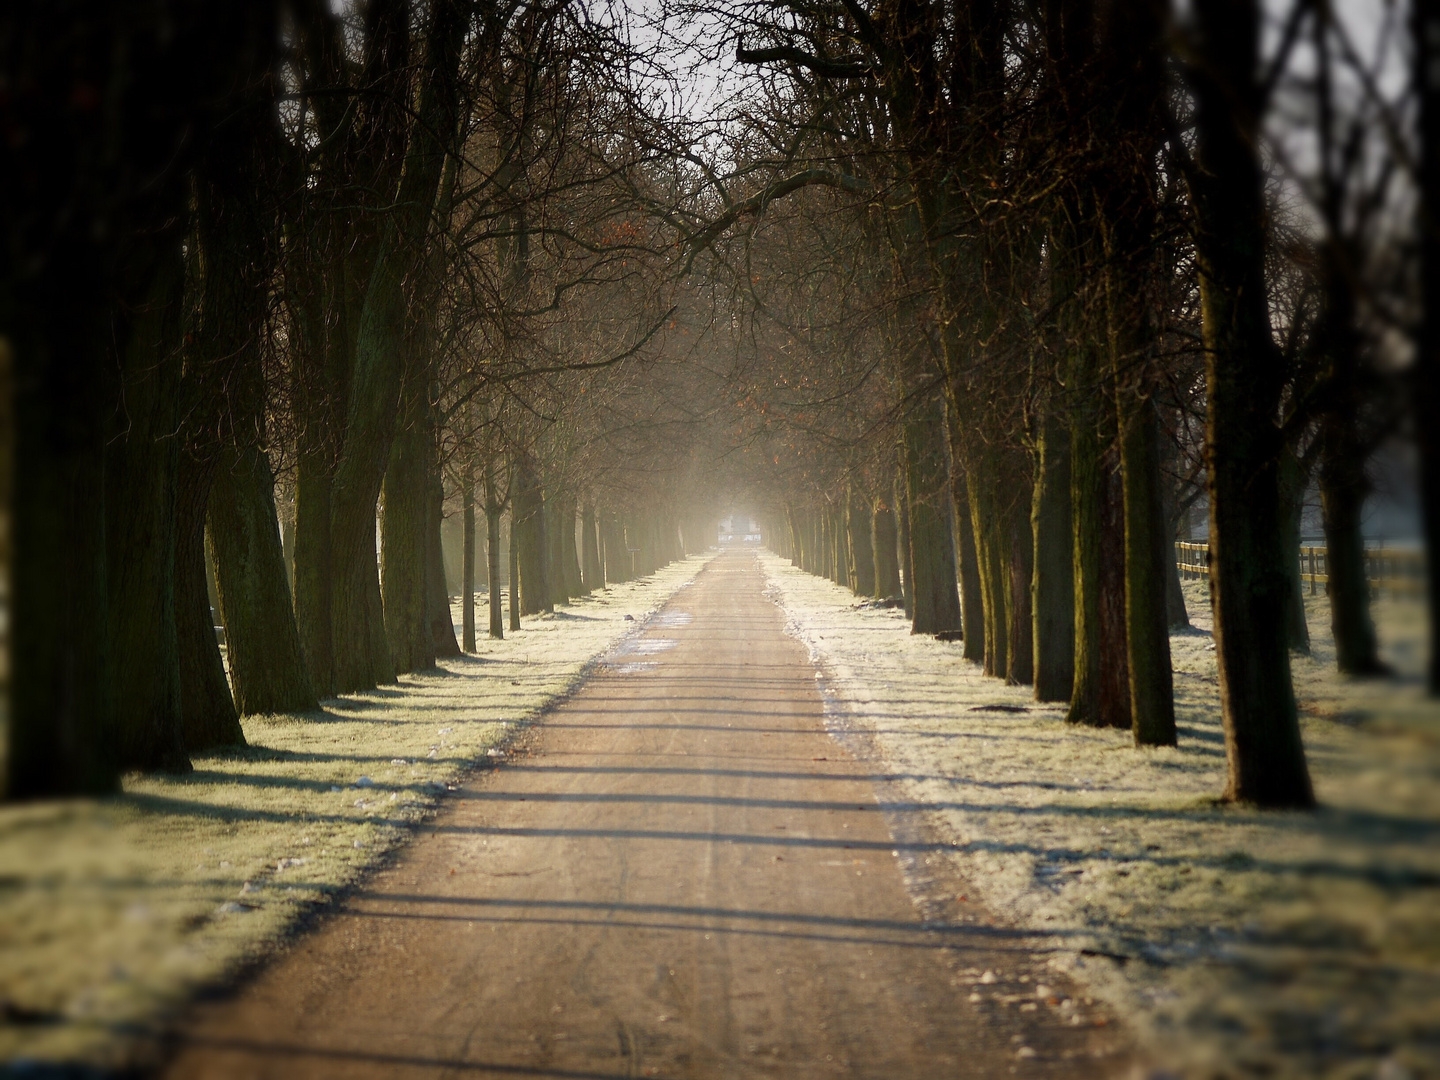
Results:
<point x="1052" y="588"/>
<point x="1245" y="380"/>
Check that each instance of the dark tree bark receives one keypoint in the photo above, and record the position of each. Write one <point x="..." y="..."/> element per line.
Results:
<point x="990" y="543"/>
<point x="885" y="542"/>
<point x="1426" y="400"/>
<point x="361" y="652"/>
<point x="529" y="535"/>
<point x="514" y="604"/>
<point x="493" y="510"/>
<point x="593" y="567"/>
<point x="1292" y="505"/>
<point x="467" y="573"/>
<point x="555" y="549"/>
<point x="1020" y="572"/>
<point x="441" y="624"/>
<point x="141" y="463"/>
<point x="1087" y="499"/>
<point x="1147" y="550"/>
<point x="1114" y="697"/>
<point x="569" y="553"/>
<point x="1245" y="380"/>
<point x="267" y="666"/>
<point x="106" y="107"/>
<point x="404" y="539"/>
<point x="932" y="548"/>
<point x="862" y="553"/>
<point x="1053" y="584"/>
<point x="971" y="600"/>
<point x="617" y="558"/>
<point x="206" y="707"/>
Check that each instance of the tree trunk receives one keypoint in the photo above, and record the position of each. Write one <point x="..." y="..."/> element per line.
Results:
<point x="990" y="563"/>
<point x="1176" y="615"/>
<point x="1087" y="499"/>
<point x="493" y="510"/>
<point x="514" y="569"/>
<point x="267" y="665"/>
<point x="206" y="707"/>
<point x="1020" y="623"/>
<point x="1147" y="550"/>
<point x="839" y="529"/>
<point x="1114" y="642"/>
<point x="617" y="558"/>
<point x="973" y="605"/>
<point x="555" y="549"/>
<point x="141" y="462"/>
<point x="885" y="544"/>
<point x="593" y="567"/>
<point x="531" y="538"/>
<point x="313" y="572"/>
<point x="1292" y="506"/>
<point x="467" y="556"/>
<point x="1245" y="380"/>
<point x="1426" y="400"/>
<point x="932" y="548"/>
<point x="862" y="552"/>
<point x="441" y="622"/>
<point x="359" y="633"/>
<point x="1052" y="587"/>
<point x="404" y="542"/>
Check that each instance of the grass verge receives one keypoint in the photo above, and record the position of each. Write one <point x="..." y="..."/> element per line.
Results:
<point x="115" y="911"/>
<point x="1237" y="942"/>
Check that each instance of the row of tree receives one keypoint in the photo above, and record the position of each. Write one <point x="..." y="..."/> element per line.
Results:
<point x="1030" y="280"/>
<point x="379" y="260"/>
<point x="979" y="299"/>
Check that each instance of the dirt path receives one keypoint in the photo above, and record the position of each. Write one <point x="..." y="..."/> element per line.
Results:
<point x="682" y="875"/>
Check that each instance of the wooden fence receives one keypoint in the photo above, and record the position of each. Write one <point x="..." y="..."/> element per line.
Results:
<point x="1397" y="571"/>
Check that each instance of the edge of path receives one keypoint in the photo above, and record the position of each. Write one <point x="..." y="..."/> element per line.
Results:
<point x="114" y="928"/>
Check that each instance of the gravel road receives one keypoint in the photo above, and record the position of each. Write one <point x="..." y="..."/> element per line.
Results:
<point x="677" y="873"/>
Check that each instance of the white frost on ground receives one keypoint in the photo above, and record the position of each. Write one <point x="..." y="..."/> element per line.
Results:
<point x="113" y="911"/>
<point x="1238" y="943"/>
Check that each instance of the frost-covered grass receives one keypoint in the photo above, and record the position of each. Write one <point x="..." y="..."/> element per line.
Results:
<point x="113" y="911"/>
<point x="1240" y="943"/>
